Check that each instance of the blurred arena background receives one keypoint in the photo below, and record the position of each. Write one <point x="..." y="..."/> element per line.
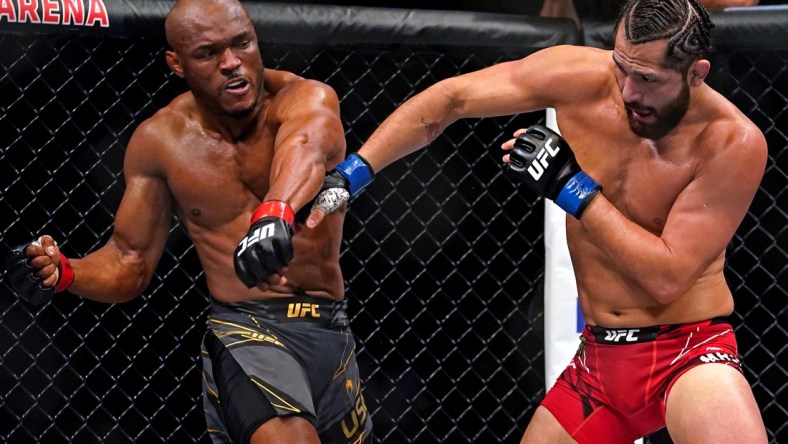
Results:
<point x="443" y="257"/>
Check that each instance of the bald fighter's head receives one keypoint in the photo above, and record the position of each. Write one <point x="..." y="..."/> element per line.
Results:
<point x="214" y="48"/>
<point x="189" y="16"/>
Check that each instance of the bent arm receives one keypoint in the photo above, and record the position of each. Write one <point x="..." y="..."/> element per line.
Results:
<point x="122" y="268"/>
<point x="309" y="142"/>
<point x="503" y="89"/>
<point x="699" y="226"/>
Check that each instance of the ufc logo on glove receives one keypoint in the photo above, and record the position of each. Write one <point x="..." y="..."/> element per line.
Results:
<point x="537" y="167"/>
<point x="541" y="153"/>
<point x="268" y="245"/>
<point x="258" y="234"/>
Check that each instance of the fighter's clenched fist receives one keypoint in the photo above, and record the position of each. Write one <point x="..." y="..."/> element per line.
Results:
<point x="268" y="246"/>
<point x="38" y="270"/>
<point x="542" y="159"/>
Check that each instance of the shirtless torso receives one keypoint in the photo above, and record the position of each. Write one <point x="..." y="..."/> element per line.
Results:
<point x="244" y="143"/>
<point x="216" y="184"/>
<point x="676" y="188"/>
<point x="242" y="135"/>
<point x="678" y="165"/>
<point x="654" y="252"/>
<point x="657" y="185"/>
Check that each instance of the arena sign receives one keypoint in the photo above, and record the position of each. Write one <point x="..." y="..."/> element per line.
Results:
<point x="55" y="12"/>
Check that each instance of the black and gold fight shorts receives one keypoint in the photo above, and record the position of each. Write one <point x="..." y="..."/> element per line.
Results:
<point x="281" y="357"/>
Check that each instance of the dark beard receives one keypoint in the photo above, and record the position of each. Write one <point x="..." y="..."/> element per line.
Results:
<point x="667" y="118"/>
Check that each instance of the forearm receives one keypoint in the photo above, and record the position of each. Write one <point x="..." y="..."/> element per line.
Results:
<point x="108" y="275"/>
<point x="412" y="126"/>
<point x="642" y="256"/>
<point x="296" y="177"/>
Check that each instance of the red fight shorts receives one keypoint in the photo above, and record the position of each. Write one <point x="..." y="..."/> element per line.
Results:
<point x="615" y="388"/>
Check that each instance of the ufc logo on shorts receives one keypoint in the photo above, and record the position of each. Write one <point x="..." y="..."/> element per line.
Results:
<point x="617" y="335"/>
<point x="257" y="235"/>
<point x="539" y="164"/>
<point x="300" y="310"/>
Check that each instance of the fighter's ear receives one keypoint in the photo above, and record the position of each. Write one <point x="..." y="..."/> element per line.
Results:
<point x="698" y="71"/>
<point x="174" y="62"/>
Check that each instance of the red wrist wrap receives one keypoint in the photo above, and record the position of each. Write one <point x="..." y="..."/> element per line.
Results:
<point x="275" y="208"/>
<point x="66" y="277"/>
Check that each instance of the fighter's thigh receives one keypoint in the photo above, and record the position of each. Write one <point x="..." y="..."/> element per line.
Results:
<point x="249" y="386"/>
<point x="285" y="430"/>
<point x="713" y="403"/>
<point x="544" y="428"/>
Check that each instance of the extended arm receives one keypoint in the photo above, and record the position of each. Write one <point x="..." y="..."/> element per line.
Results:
<point x="310" y="139"/>
<point x="503" y="89"/>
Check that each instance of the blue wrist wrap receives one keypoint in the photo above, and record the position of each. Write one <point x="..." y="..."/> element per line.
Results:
<point x="577" y="194"/>
<point x="357" y="172"/>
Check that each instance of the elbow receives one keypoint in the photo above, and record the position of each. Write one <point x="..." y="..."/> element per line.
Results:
<point x="447" y="99"/>
<point x="668" y="287"/>
<point x="668" y="278"/>
<point x="135" y="282"/>
<point x="665" y="294"/>
<point x="124" y="297"/>
<point x="129" y="290"/>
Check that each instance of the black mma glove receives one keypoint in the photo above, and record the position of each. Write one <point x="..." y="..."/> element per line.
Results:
<point x="268" y="246"/>
<point x="343" y="183"/>
<point x="23" y="279"/>
<point x="543" y="160"/>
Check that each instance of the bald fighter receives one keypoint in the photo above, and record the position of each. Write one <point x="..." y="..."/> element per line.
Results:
<point x="656" y="172"/>
<point x="234" y="159"/>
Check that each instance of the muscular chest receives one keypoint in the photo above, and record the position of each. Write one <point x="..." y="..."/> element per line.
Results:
<point x="213" y="181"/>
<point x="640" y="178"/>
<point x="645" y="187"/>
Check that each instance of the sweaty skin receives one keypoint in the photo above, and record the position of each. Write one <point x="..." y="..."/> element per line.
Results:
<point x="650" y="249"/>
<point x="216" y="183"/>
<point x="241" y="135"/>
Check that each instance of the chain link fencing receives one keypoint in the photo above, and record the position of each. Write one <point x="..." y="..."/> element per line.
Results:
<point x="442" y="256"/>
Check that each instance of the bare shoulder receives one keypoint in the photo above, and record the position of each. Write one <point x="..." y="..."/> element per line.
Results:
<point x="573" y="60"/>
<point x="169" y="121"/>
<point x="731" y="129"/>
<point x="276" y="80"/>
<point x="161" y="132"/>
<point x="571" y="72"/>
<point x="283" y="83"/>
<point x="733" y="140"/>
<point x="292" y="93"/>
<point x="576" y="54"/>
